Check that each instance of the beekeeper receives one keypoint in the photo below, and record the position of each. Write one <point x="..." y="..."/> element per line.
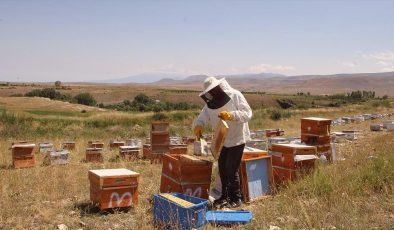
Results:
<point x="224" y="102"/>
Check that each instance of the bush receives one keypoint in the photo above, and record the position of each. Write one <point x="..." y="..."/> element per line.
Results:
<point x="159" y="117"/>
<point x="275" y="115"/>
<point x="85" y="99"/>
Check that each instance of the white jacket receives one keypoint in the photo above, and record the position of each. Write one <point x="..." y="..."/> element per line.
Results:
<point x="241" y="113"/>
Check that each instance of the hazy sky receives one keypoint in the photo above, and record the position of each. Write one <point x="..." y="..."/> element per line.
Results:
<point x="93" y="40"/>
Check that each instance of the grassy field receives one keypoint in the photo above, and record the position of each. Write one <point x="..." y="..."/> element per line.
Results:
<point x="353" y="194"/>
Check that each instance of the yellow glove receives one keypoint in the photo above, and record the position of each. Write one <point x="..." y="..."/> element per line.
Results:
<point x="225" y="115"/>
<point x="198" y="131"/>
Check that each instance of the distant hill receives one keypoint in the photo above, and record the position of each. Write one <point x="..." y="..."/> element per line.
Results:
<point x="381" y="83"/>
<point x="143" y="78"/>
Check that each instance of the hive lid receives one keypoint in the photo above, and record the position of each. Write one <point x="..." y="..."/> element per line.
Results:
<point x="296" y="146"/>
<point x="229" y="217"/>
<point x="316" y="119"/>
<point x="113" y="172"/>
<point x="23" y="146"/>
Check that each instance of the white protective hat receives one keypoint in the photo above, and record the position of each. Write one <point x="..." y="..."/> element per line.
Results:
<point x="210" y="83"/>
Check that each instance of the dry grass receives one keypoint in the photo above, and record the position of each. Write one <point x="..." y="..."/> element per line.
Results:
<point x="343" y="195"/>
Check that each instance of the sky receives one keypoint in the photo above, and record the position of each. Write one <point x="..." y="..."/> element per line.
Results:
<point x="97" y="40"/>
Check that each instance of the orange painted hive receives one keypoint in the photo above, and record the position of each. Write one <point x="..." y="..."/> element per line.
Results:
<point x="290" y="160"/>
<point x="186" y="174"/>
<point x="94" y="155"/>
<point x="22" y="155"/>
<point x="113" y="188"/>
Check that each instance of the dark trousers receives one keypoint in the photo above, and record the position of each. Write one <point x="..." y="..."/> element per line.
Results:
<point x="229" y="162"/>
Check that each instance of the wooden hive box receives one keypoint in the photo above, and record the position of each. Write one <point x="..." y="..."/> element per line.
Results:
<point x="178" y="149"/>
<point x="94" y="155"/>
<point x="129" y="153"/>
<point x="96" y="144"/>
<point x="22" y="155"/>
<point x="22" y="149"/>
<point x="284" y="155"/>
<point x="311" y="139"/>
<point x="159" y="126"/>
<point x="113" y="188"/>
<point x="186" y="174"/>
<point x="315" y="125"/>
<point x="114" y="144"/>
<point x="68" y="145"/>
<point x="256" y="174"/>
<point x="146" y="151"/>
<point x="57" y="157"/>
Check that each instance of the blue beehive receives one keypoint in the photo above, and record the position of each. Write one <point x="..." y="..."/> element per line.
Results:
<point x="179" y="210"/>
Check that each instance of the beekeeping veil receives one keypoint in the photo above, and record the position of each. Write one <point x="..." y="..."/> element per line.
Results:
<point x="214" y="93"/>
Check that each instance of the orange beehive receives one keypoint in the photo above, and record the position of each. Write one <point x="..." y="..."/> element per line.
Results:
<point x="316" y="126"/>
<point x="129" y="152"/>
<point x="160" y="140"/>
<point x="96" y="144"/>
<point x="113" y="144"/>
<point x="68" y="145"/>
<point x="22" y="155"/>
<point x="178" y="149"/>
<point x="186" y="174"/>
<point x="113" y="188"/>
<point x="146" y="151"/>
<point x="289" y="160"/>
<point x="94" y="155"/>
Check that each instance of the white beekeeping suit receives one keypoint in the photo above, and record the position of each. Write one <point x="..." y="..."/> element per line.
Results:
<point x="237" y="106"/>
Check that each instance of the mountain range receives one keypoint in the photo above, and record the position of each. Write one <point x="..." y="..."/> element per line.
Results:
<point x="382" y="83"/>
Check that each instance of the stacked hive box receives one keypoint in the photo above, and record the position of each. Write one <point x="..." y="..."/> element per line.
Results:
<point x="256" y="174"/>
<point x="129" y="152"/>
<point x="22" y="155"/>
<point x="316" y="131"/>
<point x="290" y="161"/>
<point x="113" y="188"/>
<point x="186" y="174"/>
<point x="160" y="140"/>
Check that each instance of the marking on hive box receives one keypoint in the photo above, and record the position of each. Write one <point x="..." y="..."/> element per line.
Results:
<point x="119" y="199"/>
<point x="197" y="192"/>
<point x="170" y="166"/>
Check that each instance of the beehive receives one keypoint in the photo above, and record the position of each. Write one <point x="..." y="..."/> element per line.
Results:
<point x="22" y="155"/>
<point x="57" y="157"/>
<point x="94" y="155"/>
<point x="129" y="152"/>
<point x="68" y="145"/>
<point x="288" y="160"/>
<point x="113" y="188"/>
<point x="186" y="174"/>
<point x="114" y="144"/>
<point x="96" y="144"/>
<point x="45" y="147"/>
<point x="160" y="140"/>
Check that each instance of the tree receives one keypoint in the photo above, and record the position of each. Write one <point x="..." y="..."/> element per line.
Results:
<point x="58" y="84"/>
<point x="85" y="99"/>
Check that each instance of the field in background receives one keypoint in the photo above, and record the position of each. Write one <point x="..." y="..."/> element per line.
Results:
<point x="353" y="194"/>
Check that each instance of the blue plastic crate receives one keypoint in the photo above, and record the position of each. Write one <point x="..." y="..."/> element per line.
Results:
<point x="173" y="215"/>
<point x="229" y="217"/>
